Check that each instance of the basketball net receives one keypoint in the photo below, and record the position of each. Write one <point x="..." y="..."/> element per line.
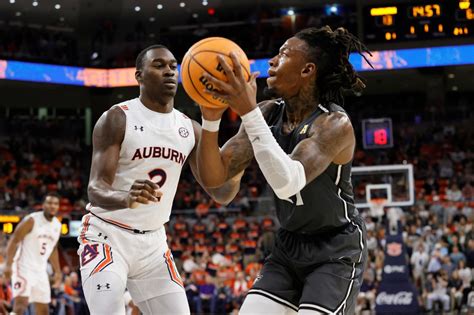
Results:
<point x="377" y="206"/>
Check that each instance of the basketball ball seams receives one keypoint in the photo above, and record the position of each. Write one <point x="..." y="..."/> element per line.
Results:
<point x="185" y="75"/>
<point x="199" y="63"/>
<point x="204" y="41"/>
<point x="187" y="72"/>
<point x="195" y="65"/>
<point x="220" y="53"/>
<point x="212" y="101"/>
<point x="198" y="91"/>
<point x="192" y="83"/>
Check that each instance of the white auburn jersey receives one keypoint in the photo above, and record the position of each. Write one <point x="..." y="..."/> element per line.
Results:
<point x="35" y="249"/>
<point x="155" y="147"/>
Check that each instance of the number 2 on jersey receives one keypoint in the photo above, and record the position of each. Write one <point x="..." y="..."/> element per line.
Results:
<point x="43" y="249"/>
<point x="158" y="172"/>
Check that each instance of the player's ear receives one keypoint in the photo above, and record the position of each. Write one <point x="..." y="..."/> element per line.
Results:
<point x="308" y="70"/>
<point x="138" y="76"/>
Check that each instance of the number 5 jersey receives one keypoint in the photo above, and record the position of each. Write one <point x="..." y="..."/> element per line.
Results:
<point x="34" y="251"/>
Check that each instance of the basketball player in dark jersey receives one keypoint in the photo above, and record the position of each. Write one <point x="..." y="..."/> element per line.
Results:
<point x="304" y="143"/>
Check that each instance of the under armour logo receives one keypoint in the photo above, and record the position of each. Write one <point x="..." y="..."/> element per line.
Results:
<point x="137" y="128"/>
<point x="105" y="236"/>
<point x="106" y="286"/>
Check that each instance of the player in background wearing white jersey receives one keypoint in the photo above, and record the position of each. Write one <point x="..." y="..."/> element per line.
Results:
<point x="30" y="247"/>
<point x="139" y="149"/>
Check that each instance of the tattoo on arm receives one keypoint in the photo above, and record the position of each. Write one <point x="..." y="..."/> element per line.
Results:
<point x="327" y="140"/>
<point x="223" y="194"/>
<point x="238" y="151"/>
<point x="332" y="140"/>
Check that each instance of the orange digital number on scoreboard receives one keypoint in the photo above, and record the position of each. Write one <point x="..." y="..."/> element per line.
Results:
<point x="469" y="14"/>
<point x="387" y="20"/>
<point x="425" y="11"/>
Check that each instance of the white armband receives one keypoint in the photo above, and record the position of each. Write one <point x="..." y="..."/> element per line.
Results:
<point x="210" y="125"/>
<point x="285" y="175"/>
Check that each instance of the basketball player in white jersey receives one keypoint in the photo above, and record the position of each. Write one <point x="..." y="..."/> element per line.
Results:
<point x="139" y="149"/>
<point x="30" y="247"/>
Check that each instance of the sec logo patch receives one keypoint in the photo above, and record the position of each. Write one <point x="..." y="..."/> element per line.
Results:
<point x="183" y="132"/>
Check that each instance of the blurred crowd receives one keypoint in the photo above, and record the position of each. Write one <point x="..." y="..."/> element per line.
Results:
<point x="260" y="32"/>
<point x="220" y="258"/>
<point x="33" y="162"/>
<point x="38" y="44"/>
<point x="220" y="252"/>
<point x="440" y="249"/>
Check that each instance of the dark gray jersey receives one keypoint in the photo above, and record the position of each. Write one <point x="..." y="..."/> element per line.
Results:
<point x="327" y="202"/>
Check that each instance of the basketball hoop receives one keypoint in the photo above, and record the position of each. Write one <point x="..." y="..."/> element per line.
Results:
<point x="377" y="206"/>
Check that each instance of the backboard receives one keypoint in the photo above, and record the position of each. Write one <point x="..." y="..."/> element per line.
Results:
<point x="392" y="182"/>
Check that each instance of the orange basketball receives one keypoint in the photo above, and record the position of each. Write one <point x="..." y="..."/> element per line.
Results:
<point x="201" y="58"/>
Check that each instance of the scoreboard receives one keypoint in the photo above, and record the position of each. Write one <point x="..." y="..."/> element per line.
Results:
<point x="8" y="224"/>
<point x="419" y="20"/>
<point x="377" y="133"/>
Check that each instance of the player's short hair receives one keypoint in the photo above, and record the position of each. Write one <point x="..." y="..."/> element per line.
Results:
<point x="141" y="55"/>
<point x="330" y="51"/>
<point x="51" y="194"/>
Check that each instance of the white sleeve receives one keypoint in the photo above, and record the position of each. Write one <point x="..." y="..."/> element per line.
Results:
<point x="285" y="175"/>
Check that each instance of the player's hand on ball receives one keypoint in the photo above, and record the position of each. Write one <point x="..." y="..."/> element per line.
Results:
<point x="7" y="272"/>
<point x="240" y="93"/>
<point x="143" y="191"/>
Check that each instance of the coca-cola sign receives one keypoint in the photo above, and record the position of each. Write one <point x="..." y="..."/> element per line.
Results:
<point x="400" y="298"/>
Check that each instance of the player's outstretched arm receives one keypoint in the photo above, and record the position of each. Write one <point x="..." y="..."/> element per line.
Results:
<point x="107" y="140"/>
<point x="25" y="227"/>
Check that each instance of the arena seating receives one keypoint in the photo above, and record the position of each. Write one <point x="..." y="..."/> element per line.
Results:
<point x="220" y="250"/>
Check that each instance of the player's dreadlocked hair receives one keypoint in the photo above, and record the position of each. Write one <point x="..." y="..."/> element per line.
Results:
<point x="330" y="50"/>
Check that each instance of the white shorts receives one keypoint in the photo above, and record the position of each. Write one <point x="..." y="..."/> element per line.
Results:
<point x="142" y="261"/>
<point x="32" y="284"/>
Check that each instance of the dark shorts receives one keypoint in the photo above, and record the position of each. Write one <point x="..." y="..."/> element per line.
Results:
<point x="317" y="272"/>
